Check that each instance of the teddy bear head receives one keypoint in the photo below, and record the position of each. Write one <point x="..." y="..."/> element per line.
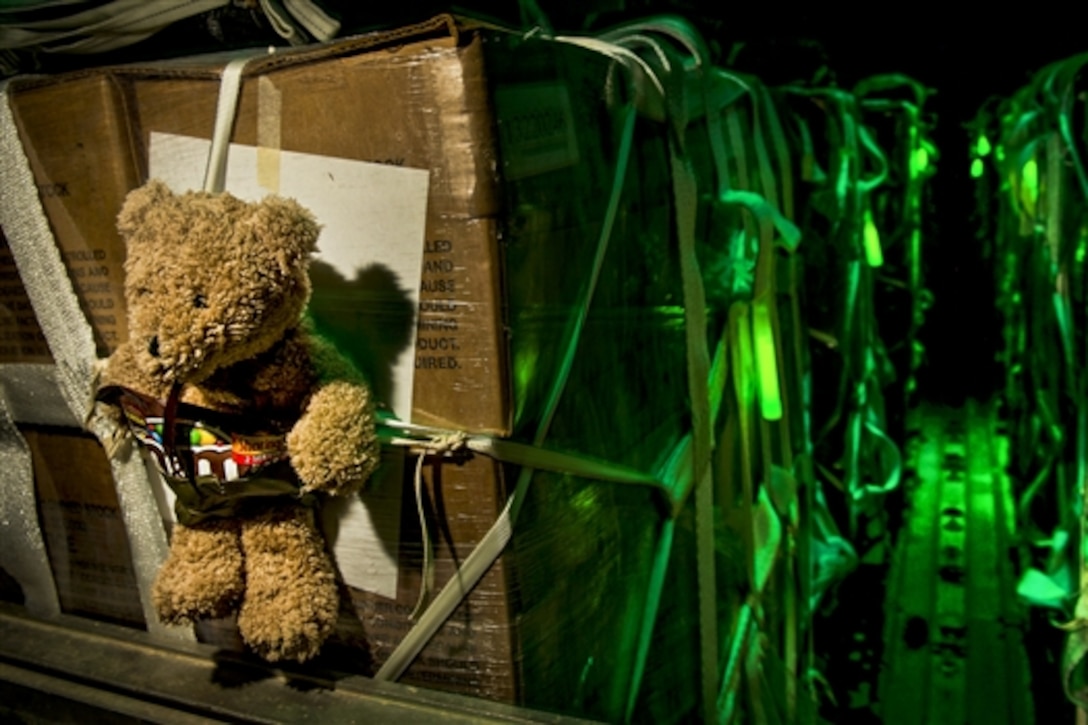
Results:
<point x="211" y="280"/>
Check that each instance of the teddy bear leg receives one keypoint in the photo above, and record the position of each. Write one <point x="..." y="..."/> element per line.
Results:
<point x="291" y="601"/>
<point x="202" y="576"/>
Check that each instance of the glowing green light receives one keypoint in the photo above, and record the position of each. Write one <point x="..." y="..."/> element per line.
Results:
<point x="1029" y="184"/>
<point x="916" y="260"/>
<point x="585" y="500"/>
<point x="977" y="169"/>
<point x="1081" y="253"/>
<point x="919" y="161"/>
<point x="999" y="153"/>
<point x="524" y="373"/>
<point x="983" y="147"/>
<point x="770" y="398"/>
<point x="874" y="255"/>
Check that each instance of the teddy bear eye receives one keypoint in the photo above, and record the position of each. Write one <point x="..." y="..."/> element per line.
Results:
<point x="199" y="301"/>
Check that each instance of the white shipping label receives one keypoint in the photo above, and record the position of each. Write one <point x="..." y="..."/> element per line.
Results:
<point x="372" y="216"/>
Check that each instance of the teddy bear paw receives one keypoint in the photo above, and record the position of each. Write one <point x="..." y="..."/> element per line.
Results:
<point x="291" y="602"/>
<point x="276" y="632"/>
<point x="334" y="446"/>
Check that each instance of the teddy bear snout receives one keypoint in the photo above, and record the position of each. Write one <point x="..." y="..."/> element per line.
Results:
<point x="153" y="346"/>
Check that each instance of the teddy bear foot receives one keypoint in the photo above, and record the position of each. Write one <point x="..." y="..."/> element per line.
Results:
<point x="291" y="604"/>
<point x="202" y="576"/>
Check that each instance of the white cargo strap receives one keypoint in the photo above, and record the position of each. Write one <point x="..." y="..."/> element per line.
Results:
<point x="115" y="24"/>
<point x="71" y="343"/>
<point x="230" y="91"/>
<point x="29" y="394"/>
<point x="23" y="554"/>
<point x="293" y="19"/>
<point x="42" y="270"/>
<point x="103" y="27"/>
<point x="310" y="16"/>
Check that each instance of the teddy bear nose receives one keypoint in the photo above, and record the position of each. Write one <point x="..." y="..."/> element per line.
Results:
<point x="153" y="346"/>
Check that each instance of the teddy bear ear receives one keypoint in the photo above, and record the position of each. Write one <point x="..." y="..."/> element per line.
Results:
<point x="288" y="225"/>
<point x="137" y="204"/>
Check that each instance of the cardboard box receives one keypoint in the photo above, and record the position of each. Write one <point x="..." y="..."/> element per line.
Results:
<point x="76" y="139"/>
<point x="326" y="96"/>
<point x="329" y="103"/>
<point x="82" y="526"/>
<point x="21" y="338"/>
<point x="521" y="152"/>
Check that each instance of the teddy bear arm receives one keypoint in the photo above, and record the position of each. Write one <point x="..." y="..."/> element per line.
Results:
<point x="334" y="445"/>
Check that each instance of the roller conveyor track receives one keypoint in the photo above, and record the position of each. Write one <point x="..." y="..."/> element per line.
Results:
<point x="954" y="650"/>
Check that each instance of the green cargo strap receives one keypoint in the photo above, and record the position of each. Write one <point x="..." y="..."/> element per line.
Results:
<point x="674" y="75"/>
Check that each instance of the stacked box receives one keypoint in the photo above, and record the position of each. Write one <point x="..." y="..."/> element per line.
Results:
<point x="82" y="526"/>
<point x="519" y="140"/>
<point x="521" y="154"/>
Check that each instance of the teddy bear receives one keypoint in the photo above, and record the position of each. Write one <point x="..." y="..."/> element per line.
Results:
<point x="250" y="416"/>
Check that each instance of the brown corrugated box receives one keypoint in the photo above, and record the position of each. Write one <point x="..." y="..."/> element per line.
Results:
<point x="76" y="139"/>
<point x="82" y="526"/>
<point x="336" y="101"/>
<point x="21" y="338"/>
<point x="558" y="631"/>
<point x="420" y="102"/>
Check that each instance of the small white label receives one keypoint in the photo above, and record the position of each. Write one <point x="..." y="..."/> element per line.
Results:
<point x="536" y="129"/>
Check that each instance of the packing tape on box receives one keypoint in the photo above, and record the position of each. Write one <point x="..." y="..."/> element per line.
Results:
<point x="71" y="343"/>
<point x="269" y="127"/>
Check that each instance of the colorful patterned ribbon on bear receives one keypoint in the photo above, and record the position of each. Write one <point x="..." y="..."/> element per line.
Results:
<point x="215" y="463"/>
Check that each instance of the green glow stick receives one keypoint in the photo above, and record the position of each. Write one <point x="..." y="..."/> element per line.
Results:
<point x="916" y="261"/>
<point x="983" y="147"/>
<point x="770" y="398"/>
<point x="919" y="161"/>
<point x="1029" y="184"/>
<point x="874" y="255"/>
